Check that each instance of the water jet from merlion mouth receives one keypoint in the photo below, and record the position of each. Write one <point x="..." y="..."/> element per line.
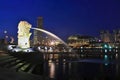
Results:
<point x="51" y="34"/>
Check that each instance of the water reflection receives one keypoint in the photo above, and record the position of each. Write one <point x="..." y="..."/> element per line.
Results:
<point x="52" y="69"/>
<point x="106" y="67"/>
<point x="116" y="56"/>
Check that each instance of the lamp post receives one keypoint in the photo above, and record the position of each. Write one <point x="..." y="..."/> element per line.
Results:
<point x="6" y="37"/>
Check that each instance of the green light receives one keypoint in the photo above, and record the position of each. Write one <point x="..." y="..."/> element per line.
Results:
<point x="105" y="46"/>
<point x="106" y="57"/>
<point x="110" y="47"/>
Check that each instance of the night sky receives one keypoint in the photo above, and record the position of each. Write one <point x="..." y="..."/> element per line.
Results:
<point x="61" y="17"/>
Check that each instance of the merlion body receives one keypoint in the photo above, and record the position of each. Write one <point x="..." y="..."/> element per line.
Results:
<point x="24" y="34"/>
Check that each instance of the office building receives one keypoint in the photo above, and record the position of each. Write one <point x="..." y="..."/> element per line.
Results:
<point x="38" y="36"/>
<point x="116" y="34"/>
<point x="105" y="36"/>
<point x="80" y="40"/>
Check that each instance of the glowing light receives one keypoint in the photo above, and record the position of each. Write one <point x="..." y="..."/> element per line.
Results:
<point x="6" y="36"/>
<point x="39" y="48"/>
<point x="116" y="47"/>
<point x="5" y="31"/>
<point x="10" y="47"/>
<point x="105" y="46"/>
<point x="81" y="47"/>
<point x="52" y="43"/>
<point x="106" y="57"/>
<point x="105" y="50"/>
<point x="110" y="47"/>
<point x="16" y="50"/>
<point x="116" y="56"/>
<point x="52" y="70"/>
<point x="28" y="50"/>
<point x="106" y="64"/>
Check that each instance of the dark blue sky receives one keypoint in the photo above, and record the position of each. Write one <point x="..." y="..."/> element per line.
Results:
<point x="61" y="17"/>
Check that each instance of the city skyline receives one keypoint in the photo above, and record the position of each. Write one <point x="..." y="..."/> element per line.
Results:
<point x="63" y="17"/>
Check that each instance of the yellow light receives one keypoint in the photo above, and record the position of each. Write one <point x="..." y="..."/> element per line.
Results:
<point x="52" y="43"/>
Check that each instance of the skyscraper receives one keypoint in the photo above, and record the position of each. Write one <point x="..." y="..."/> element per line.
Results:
<point x="37" y="34"/>
<point x="105" y="36"/>
<point x="116" y="34"/>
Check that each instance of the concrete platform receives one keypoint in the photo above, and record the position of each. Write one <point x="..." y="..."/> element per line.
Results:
<point x="7" y="74"/>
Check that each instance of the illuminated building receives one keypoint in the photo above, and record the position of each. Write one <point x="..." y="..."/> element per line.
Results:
<point x="38" y="38"/>
<point x="105" y="36"/>
<point x="116" y="34"/>
<point x="110" y="37"/>
<point x="79" y="40"/>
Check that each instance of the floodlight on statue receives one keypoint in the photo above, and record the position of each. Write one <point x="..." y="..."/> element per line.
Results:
<point x="24" y="34"/>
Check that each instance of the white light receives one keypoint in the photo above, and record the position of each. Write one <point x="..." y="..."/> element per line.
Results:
<point x="10" y="47"/>
<point x="116" y="55"/>
<point x="5" y="31"/>
<point x="16" y="50"/>
<point x="28" y="50"/>
<point x="81" y="47"/>
<point x="105" y="50"/>
<point x="39" y="48"/>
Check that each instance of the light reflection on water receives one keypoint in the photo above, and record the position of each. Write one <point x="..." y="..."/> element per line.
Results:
<point x="52" y="69"/>
<point x="85" y="69"/>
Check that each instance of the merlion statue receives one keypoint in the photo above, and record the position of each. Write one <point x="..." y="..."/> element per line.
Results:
<point x="24" y="34"/>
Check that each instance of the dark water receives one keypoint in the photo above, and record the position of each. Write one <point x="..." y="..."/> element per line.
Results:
<point x="61" y="66"/>
<point x="104" y="68"/>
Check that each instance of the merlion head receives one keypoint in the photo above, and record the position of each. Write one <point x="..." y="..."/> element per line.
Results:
<point x="24" y="34"/>
<point x="23" y="26"/>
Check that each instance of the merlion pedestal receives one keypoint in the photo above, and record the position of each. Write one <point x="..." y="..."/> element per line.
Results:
<point x="24" y="34"/>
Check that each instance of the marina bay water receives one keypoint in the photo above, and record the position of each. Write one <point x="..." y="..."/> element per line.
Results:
<point x="69" y="66"/>
<point x="105" y="67"/>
